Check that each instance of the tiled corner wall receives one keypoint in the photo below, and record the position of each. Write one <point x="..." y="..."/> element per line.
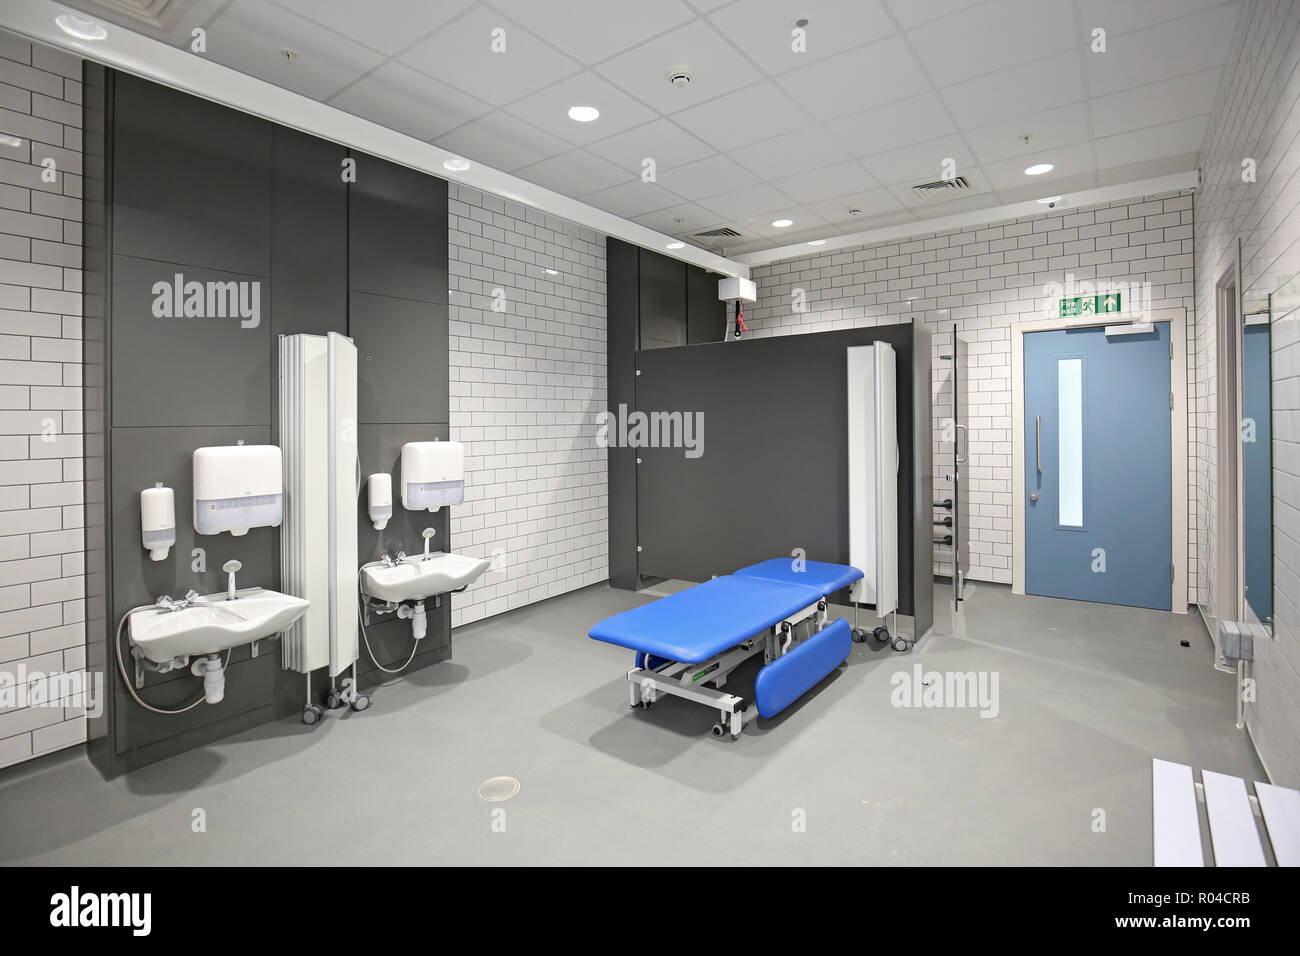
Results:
<point x="527" y="380"/>
<point x="1257" y="118"/>
<point x="41" y="545"/>
<point x="984" y="279"/>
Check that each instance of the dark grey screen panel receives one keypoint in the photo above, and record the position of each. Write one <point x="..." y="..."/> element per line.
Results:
<point x="773" y="475"/>
<point x="191" y="180"/>
<point x="622" y="270"/>
<point x="662" y="300"/>
<point x="705" y="314"/>
<point x="397" y="232"/>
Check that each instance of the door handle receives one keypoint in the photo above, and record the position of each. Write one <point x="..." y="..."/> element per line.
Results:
<point x="1038" y="441"/>
<point x="961" y="432"/>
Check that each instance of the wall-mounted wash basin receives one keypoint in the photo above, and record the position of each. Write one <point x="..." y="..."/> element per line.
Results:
<point x="212" y="623"/>
<point x="414" y="579"/>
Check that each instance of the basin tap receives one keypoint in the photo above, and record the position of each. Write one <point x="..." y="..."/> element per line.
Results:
<point x="176" y="604"/>
<point x="230" y="567"/>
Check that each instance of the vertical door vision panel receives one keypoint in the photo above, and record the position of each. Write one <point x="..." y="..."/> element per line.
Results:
<point x="1098" y="462"/>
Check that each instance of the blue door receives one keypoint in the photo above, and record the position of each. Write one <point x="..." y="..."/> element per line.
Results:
<point x="1098" y="466"/>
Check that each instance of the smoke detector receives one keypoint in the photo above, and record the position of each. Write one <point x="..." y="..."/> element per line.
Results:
<point x="680" y="78"/>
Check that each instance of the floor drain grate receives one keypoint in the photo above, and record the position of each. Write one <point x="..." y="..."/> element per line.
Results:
<point x="498" y="789"/>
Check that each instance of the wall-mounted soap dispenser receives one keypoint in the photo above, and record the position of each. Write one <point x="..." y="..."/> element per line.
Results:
<point x="158" y="520"/>
<point x="237" y="487"/>
<point x="433" y="474"/>
<point x="379" y="488"/>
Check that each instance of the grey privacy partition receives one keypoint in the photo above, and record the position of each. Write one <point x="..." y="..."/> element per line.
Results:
<point x="768" y="476"/>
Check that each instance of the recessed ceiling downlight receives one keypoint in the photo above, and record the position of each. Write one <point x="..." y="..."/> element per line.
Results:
<point x="675" y="245"/>
<point x="83" y="28"/>
<point x="782" y="223"/>
<point x="816" y="242"/>
<point x="1039" y="168"/>
<point x="583" y="114"/>
<point x="1049" y="200"/>
<point x="456" y="164"/>
<point x="7" y="140"/>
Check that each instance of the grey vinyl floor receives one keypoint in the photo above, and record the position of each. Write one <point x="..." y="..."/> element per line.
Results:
<point x="1087" y="694"/>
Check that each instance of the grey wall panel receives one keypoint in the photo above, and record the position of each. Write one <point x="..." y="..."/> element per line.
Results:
<point x="192" y="180"/>
<point x="309" y="236"/>
<point x="661" y="300"/>
<point x="401" y="359"/>
<point x="185" y="371"/>
<point x="621" y="270"/>
<point x="380" y="448"/>
<point x="395" y="247"/>
<point x="773" y="474"/>
<point x="160" y="387"/>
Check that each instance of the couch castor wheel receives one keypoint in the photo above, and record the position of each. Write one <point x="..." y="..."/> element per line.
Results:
<point x="859" y="635"/>
<point x="361" y="702"/>
<point x="900" y="644"/>
<point x="881" y="634"/>
<point x="333" y="701"/>
<point x="311" y="714"/>
<point x="718" y="730"/>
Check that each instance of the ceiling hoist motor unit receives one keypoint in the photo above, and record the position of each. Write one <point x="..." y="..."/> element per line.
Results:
<point x="739" y="291"/>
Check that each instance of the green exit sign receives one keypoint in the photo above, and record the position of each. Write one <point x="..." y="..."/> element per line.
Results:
<point x="1090" y="305"/>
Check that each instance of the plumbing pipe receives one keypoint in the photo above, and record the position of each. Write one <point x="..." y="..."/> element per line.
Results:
<point x="214" y="678"/>
<point x="419" y="622"/>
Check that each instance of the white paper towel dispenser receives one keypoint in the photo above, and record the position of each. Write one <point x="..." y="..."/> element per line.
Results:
<point x="237" y="487"/>
<point x="433" y="474"/>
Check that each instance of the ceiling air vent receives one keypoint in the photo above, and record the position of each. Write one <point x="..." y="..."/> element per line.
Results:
<point x="941" y="189"/>
<point x="713" y="237"/>
<point x="162" y="14"/>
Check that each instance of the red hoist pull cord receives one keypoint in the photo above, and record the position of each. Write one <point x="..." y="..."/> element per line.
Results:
<point x="740" y="320"/>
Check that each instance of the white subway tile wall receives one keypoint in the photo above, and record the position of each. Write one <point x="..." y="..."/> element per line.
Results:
<point x="527" y="381"/>
<point x="984" y="279"/>
<point x="41" y="542"/>
<point x="1256" y="119"/>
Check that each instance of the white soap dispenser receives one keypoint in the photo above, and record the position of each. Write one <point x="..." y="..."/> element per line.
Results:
<point x="379" y="487"/>
<point x="158" y="520"/>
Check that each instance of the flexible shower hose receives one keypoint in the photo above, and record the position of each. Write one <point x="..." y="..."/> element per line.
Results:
<point x="126" y="681"/>
<point x="365" y="637"/>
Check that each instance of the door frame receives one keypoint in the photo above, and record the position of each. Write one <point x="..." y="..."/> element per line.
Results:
<point x="1178" y="478"/>
<point x="1228" y="589"/>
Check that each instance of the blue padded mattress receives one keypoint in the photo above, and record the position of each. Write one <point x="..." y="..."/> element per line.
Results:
<point x="825" y="578"/>
<point x="707" y="619"/>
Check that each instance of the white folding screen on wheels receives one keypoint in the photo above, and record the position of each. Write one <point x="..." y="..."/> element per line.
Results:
<point x="318" y="540"/>
<point x="873" y="475"/>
